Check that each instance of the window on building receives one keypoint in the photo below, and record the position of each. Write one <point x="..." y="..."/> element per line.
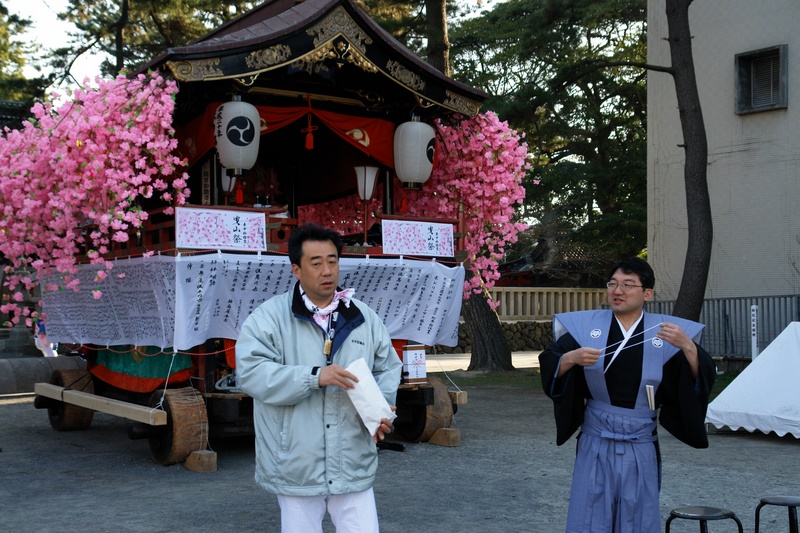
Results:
<point x="761" y="80"/>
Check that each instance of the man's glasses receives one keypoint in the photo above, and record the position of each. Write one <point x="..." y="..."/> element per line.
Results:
<point x="612" y="286"/>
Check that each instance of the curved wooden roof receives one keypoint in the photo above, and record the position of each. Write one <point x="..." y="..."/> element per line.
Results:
<point x="329" y="51"/>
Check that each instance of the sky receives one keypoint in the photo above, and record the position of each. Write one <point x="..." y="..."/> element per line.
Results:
<point x="50" y="32"/>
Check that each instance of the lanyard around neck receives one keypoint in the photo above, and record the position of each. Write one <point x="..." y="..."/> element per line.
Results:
<point x="327" y="347"/>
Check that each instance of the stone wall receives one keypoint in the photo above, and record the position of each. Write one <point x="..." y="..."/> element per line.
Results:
<point x="522" y="336"/>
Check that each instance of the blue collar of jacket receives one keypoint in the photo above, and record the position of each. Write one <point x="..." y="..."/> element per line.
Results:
<point x="349" y="317"/>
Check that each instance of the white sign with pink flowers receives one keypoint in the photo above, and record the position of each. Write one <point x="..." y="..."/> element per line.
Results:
<point x="405" y="237"/>
<point x="220" y="229"/>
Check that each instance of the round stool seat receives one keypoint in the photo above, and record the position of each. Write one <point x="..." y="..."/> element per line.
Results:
<point x="702" y="513"/>
<point x="786" y="501"/>
<point x="790" y="502"/>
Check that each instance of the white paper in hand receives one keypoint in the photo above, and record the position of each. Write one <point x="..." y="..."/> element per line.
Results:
<point x="368" y="398"/>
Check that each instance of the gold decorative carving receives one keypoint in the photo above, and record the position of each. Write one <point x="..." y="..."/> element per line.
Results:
<point x="405" y="76"/>
<point x="310" y="67"/>
<point x="247" y="81"/>
<point x="358" y="59"/>
<point x="425" y="103"/>
<point x="372" y="97"/>
<point x="339" y="22"/>
<point x="461" y="104"/>
<point x="195" y="69"/>
<point x="267" y="57"/>
<point x="339" y="50"/>
<point x="320" y="54"/>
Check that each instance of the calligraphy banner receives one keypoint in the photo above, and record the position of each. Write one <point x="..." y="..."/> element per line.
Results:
<point x="220" y="229"/>
<point x="137" y="305"/>
<point x="404" y="237"/>
<point x="184" y="301"/>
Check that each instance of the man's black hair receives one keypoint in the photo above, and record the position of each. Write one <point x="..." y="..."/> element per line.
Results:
<point x="638" y="266"/>
<point x="311" y="232"/>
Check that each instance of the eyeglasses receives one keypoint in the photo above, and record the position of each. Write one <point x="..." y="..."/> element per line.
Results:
<point x="612" y="286"/>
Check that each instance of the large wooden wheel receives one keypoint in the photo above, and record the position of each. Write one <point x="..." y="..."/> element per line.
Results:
<point x="426" y="419"/>
<point x="187" y="426"/>
<point x="64" y="416"/>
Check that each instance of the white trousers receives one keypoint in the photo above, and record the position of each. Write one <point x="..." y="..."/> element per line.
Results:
<point x="350" y="513"/>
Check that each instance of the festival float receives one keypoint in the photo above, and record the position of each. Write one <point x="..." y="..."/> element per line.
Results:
<point x="294" y="112"/>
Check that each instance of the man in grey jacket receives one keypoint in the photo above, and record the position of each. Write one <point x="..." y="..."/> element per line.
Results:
<point x="312" y="449"/>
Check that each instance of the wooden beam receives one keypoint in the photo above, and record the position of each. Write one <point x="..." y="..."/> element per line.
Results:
<point x="458" y="397"/>
<point x="202" y="461"/>
<point x="132" y="411"/>
<point x="446" y="437"/>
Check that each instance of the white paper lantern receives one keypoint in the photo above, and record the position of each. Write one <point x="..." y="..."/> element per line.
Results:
<point x="366" y="181"/>
<point x="226" y="180"/>
<point x="236" y="135"/>
<point x="414" y="149"/>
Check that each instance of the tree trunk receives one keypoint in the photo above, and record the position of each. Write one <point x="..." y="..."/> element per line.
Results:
<point x="490" y="349"/>
<point x="698" y="204"/>
<point x="119" y="36"/>
<point x="438" y="42"/>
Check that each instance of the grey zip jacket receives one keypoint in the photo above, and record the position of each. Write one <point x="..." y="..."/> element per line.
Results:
<point x="310" y="440"/>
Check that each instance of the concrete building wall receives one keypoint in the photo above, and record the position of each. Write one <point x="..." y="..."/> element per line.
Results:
<point x="753" y="162"/>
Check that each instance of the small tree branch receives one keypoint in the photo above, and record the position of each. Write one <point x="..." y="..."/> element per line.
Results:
<point x="580" y="70"/>
<point x="638" y="64"/>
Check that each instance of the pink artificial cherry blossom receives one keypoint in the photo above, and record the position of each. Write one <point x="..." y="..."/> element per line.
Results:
<point x="72" y="178"/>
<point x="481" y="162"/>
<point x="65" y="189"/>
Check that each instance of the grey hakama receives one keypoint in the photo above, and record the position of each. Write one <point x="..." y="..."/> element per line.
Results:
<point x="617" y="479"/>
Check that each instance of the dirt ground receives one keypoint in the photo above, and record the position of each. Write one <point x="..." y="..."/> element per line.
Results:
<point x="507" y="476"/>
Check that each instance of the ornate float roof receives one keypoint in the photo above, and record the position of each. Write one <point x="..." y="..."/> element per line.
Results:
<point x="326" y="52"/>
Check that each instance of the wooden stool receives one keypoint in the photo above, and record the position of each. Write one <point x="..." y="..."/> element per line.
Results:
<point x="703" y="514"/>
<point x="792" y="502"/>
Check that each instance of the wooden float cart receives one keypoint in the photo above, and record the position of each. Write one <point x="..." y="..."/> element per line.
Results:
<point x="178" y="421"/>
<point x="331" y="89"/>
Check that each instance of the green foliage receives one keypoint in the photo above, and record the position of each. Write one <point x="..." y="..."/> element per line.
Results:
<point x="11" y="50"/>
<point x="555" y="70"/>
<point x="14" y="56"/>
<point x="405" y="20"/>
<point x="487" y="51"/>
<point x="131" y="32"/>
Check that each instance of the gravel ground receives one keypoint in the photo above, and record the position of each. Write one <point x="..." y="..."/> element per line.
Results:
<point x="507" y="476"/>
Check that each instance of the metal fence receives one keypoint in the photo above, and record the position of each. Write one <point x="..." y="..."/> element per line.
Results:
<point x="728" y="320"/>
<point x="525" y="303"/>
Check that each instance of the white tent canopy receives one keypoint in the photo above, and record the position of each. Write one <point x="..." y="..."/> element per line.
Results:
<point x="766" y="395"/>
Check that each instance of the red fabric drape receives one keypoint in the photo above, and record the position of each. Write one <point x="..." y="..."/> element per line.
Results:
<point x="229" y="345"/>
<point x="135" y="383"/>
<point x="374" y="137"/>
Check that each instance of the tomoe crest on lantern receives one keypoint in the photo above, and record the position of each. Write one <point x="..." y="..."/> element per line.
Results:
<point x="236" y="135"/>
<point x="414" y="151"/>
